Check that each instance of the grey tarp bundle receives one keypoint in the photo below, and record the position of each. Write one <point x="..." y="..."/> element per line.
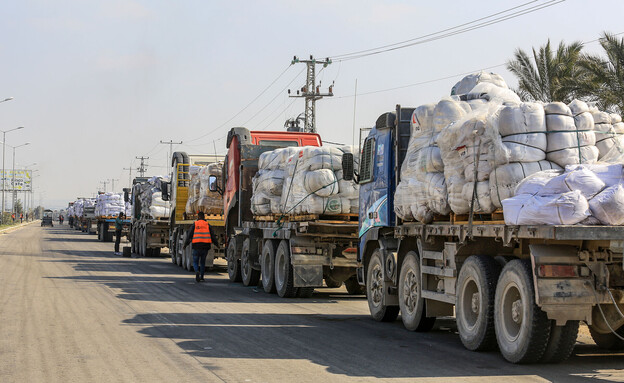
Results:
<point x="200" y="198"/>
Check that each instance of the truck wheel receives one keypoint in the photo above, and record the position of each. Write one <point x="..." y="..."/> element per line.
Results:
<point x="332" y="283"/>
<point x="233" y="261"/>
<point x="188" y="257"/>
<point x="474" y="310"/>
<point x="411" y="302"/>
<point x="99" y="232"/>
<point x="608" y="341"/>
<point x="522" y="328"/>
<point x="267" y="265"/>
<point x="142" y="242"/>
<point x="374" y="291"/>
<point x="249" y="275"/>
<point x="353" y="287"/>
<point x="173" y="247"/>
<point x="133" y="248"/>
<point x="284" y="272"/>
<point x="561" y="342"/>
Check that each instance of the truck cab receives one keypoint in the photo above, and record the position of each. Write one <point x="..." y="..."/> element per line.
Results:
<point x="241" y="164"/>
<point x="382" y="154"/>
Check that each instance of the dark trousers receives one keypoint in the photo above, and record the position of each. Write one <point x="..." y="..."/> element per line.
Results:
<point x="117" y="239"/>
<point x="199" y="260"/>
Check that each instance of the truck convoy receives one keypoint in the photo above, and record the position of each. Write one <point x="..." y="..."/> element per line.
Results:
<point x="188" y="193"/>
<point x="83" y="214"/>
<point x="149" y="231"/>
<point x="291" y="248"/>
<point x="515" y="278"/>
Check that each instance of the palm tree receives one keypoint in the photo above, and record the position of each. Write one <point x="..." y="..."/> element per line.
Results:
<point x="548" y="77"/>
<point x="605" y="83"/>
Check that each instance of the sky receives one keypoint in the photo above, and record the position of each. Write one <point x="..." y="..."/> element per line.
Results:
<point x="98" y="83"/>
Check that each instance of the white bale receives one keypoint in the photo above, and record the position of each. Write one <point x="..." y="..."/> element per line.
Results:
<point x="535" y="182"/>
<point x="559" y="123"/>
<point x="608" y="205"/>
<point x="559" y="209"/>
<point x="557" y="108"/>
<point x="567" y="140"/>
<point x="577" y="107"/>
<point x="504" y="179"/>
<point x="581" y="179"/>
<point x="447" y="111"/>
<point x="322" y="182"/>
<point x="467" y="83"/>
<point x="422" y="120"/>
<point x="482" y="200"/>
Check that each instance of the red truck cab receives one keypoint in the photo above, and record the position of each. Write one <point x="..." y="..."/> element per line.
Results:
<point x="244" y="149"/>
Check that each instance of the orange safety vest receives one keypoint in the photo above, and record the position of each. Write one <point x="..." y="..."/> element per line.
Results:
<point x="202" y="232"/>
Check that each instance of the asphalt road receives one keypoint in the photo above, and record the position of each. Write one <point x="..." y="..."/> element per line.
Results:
<point x="71" y="311"/>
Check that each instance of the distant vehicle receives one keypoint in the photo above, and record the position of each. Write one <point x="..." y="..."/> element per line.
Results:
<point x="47" y="218"/>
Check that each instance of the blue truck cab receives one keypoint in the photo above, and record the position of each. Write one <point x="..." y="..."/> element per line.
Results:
<point x="382" y="156"/>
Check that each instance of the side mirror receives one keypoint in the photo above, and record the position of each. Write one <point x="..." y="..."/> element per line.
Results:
<point x="165" y="189"/>
<point x="347" y="166"/>
<point x="212" y="184"/>
<point x="126" y="192"/>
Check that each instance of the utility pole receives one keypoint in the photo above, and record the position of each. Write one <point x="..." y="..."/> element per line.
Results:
<point x="129" y="175"/>
<point x="170" y="143"/>
<point x="112" y="180"/>
<point x="311" y="92"/>
<point x="143" y="167"/>
<point x="105" y="183"/>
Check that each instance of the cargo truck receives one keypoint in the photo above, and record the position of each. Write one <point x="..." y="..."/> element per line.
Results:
<point x="148" y="234"/>
<point x="523" y="289"/>
<point x="290" y="254"/>
<point x="177" y="194"/>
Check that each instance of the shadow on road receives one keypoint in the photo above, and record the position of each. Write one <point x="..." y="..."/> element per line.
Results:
<point x="352" y="345"/>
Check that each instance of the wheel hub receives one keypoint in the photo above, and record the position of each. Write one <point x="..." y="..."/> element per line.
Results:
<point x="475" y="303"/>
<point x="410" y="291"/>
<point x="377" y="285"/>
<point x="516" y="311"/>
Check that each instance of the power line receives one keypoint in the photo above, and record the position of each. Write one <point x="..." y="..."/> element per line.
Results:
<point x="451" y="31"/>
<point x="245" y="108"/>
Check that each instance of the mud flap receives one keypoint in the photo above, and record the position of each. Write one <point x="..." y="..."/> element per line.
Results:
<point x="308" y="275"/>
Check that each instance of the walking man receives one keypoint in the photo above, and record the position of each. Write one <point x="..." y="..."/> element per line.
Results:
<point x="201" y="234"/>
<point x="118" y="228"/>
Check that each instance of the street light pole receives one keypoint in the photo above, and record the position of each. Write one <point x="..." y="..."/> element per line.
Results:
<point x="4" y="132"/>
<point x="13" y="182"/>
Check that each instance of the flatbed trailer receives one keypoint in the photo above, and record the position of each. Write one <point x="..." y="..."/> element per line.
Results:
<point x="149" y="236"/>
<point x="293" y="257"/>
<point x="105" y="228"/>
<point x="184" y="257"/>
<point x="521" y="289"/>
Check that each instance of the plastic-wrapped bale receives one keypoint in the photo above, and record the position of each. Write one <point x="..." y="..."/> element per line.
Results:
<point x="150" y="196"/>
<point x="269" y="181"/>
<point x="491" y="92"/>
<point x="312" y="184"/>
<point x="569" y="140"/>
<point x="470" y="149"/>
<point x="109" y="204"/>
<point x="523" y="131"/>
<point x="504" y="179"/>
<point x="210" y="202"/>
<point x="580" y="179"/>
<point x="467" y="83"/>
<point x="559" y="209"/>
<point x="422" y="191"/>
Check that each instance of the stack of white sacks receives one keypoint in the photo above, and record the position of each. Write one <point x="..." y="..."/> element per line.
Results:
<point x="304" y="180"/>
<point x="200" y="197"/>
<point x="109" y="204"/>
<point x="473" y="154"/>
<point x="150" y="196"/>
<point x="80" y="204"/>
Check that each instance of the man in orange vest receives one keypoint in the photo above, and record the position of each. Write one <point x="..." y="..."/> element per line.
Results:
<point x="200" y="233"/>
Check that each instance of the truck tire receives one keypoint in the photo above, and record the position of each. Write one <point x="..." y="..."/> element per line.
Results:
<point x="353" y="287"/>
<point x="284" y="283"/>
<point x="267" y="265"/>
<point x="173" y="247"/>
<point x="474" y="310"/>
<point x="374" y="291"/>
<point x="133" y="240"/>
<point x="233" y="261"/>
<point x="332" y="283"/>
<point x="411" y="302"/>
<point x="188" y="259"/>
<point x="99" y="232"/>
<point x="561" y="342"/>
<point x="522" y="328"/>
<point x="608" y="341"/>
<point x="249" y="275"/>
<point x="142" y="242"/>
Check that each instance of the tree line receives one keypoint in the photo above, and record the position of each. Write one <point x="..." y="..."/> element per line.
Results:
<point x="568" y="73"/>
